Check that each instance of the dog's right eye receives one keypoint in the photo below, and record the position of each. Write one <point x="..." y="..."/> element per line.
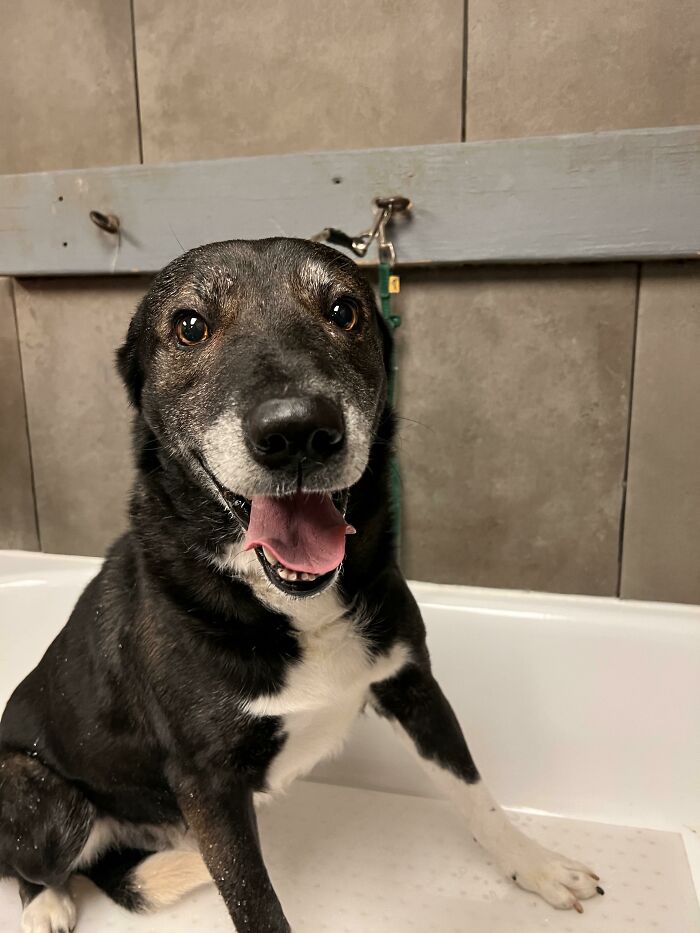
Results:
<point x="190" y="328"/>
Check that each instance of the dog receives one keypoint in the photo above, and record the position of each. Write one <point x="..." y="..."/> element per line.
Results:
<point x="252" y="610"/>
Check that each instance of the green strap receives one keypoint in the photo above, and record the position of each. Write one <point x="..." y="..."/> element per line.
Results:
<point x="394" y="321"/>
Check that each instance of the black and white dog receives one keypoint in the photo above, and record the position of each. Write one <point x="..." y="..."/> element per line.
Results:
<point x="251" y="612"/>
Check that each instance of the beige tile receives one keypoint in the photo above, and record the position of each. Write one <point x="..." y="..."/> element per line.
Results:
<point x="514" y="398"/>
<point x="17" y="517"/>
<point x="661" y="555"/>
<point x="78" y="416"/>
<point x="67" y="95"/>
<point x="563" y="66"/>
<point x="221" y="79"/>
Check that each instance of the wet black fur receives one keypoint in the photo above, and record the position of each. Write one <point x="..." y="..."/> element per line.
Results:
<point x="113" y="873"/>
<point x="135" y="709"/>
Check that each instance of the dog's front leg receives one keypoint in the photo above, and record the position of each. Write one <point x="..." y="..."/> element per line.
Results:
<point x="219" y="810"/>
<point x="414" y="702"/>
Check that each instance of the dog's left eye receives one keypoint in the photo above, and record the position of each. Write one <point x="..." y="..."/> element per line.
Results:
<point x="344" y="313"/>
<point x="190" y="328"/>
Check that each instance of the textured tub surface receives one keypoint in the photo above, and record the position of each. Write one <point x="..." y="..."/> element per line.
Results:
<point x="356" y="861"/>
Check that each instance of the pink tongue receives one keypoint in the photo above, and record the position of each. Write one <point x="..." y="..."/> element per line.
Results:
<point x="305" y="531"/>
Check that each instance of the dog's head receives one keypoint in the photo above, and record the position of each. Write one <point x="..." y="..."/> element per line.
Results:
<point x="261" y="366"/>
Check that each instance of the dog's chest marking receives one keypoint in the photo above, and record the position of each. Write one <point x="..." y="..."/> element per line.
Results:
<point x="327" y="688"/>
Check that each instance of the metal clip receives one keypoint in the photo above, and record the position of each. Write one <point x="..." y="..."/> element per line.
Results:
<point x="385" y="208"/>
<point x="389" y="206"/>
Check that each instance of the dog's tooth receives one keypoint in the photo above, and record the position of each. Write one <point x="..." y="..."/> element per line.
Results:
<point x="269" y="556"/>
<point x="287" y="574"/>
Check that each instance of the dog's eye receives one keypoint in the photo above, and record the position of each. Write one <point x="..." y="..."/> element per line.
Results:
<point x="190" y="328"/>
<point x="344" y="313"/>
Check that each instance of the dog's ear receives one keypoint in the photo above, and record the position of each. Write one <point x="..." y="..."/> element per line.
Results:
<point x="129" y="359"/>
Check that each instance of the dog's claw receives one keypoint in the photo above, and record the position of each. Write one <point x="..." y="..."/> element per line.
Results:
<point x="577" y="907"/>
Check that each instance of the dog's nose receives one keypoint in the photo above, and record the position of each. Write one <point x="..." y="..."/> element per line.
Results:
<point x="284" y="431"/>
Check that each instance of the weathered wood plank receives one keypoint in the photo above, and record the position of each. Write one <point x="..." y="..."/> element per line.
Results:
<point x="604" y="196"/>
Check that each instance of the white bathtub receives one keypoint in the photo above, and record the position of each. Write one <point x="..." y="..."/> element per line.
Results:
<point x="583" y="715"/>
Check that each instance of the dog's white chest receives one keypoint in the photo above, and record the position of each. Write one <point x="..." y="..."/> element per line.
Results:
<point x="312" y="736"/>
<point x="325" y="690"/>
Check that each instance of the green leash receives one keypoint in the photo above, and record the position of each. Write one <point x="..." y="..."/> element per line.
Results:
<point x="389" y="285"/>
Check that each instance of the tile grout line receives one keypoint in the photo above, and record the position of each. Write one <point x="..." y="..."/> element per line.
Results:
<point x="32" y="477"/>
<point x="625" y="475"/>
<point x="137" y="94"/>
<point x="465" y="49"/>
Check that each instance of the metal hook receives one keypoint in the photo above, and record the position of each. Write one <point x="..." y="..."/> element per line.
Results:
<point x="396" y="203"/>
<point x="107" y="222"/>
<point x="385" y="208"/>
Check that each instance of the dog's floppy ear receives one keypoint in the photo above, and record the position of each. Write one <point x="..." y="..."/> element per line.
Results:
<point x="129" y="359"/>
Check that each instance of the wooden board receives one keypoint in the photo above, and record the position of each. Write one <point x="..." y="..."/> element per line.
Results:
<point x="604" y="196"/>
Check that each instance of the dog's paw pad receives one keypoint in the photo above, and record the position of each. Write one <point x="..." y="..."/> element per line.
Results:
<point x="561" y="882"/>
<point x="52" y="911"/>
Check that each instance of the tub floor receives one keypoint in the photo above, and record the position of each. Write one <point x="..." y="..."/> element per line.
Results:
<point x="355" y="861"/>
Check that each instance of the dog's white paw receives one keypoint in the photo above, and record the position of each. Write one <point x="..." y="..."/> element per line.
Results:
<point x="562" y="882"/>
<point x="52" y="911"/>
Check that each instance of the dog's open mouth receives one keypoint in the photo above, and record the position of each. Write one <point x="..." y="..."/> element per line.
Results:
<point x="293" y="582"/>
<point x="299" y="539"/>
